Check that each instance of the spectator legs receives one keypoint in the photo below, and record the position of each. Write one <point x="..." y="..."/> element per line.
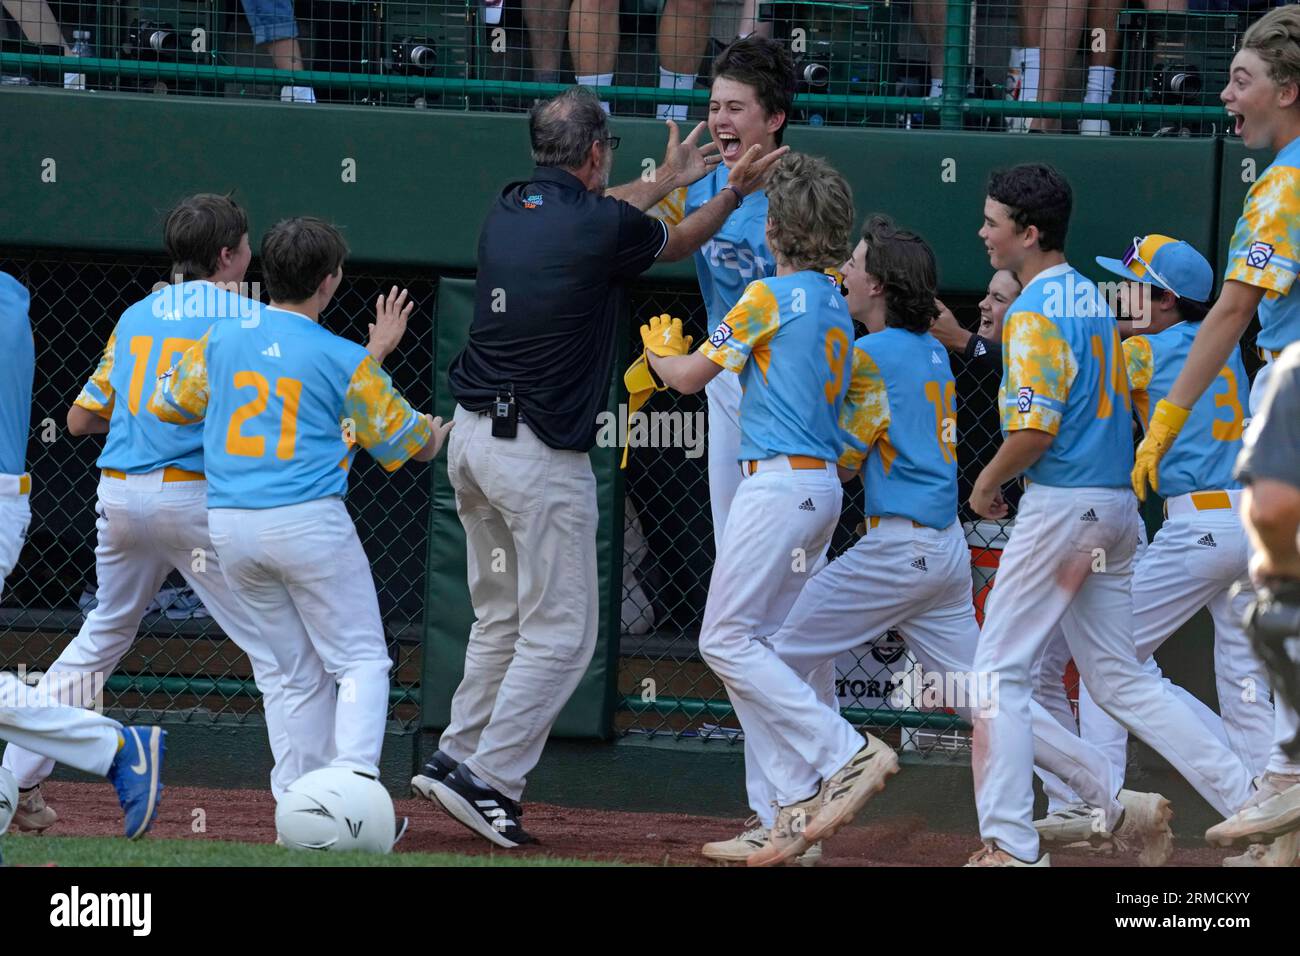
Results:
<point x="546" y="21"/>
<point x="684" y="30"/>
<point x="593" y="41"/>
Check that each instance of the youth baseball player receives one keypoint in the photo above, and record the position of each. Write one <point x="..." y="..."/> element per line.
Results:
<point x="789" y="341"/>
<point x="751" y="97"/>
<point x="130" y="757"/>
<point x="283" y="404"/>
<point x="1069" y="561"/>
<point x="17" y="368"/>
<point x="151" y="516"/>
<point x="1263" y="95"/>
<point x="910" y="570"/>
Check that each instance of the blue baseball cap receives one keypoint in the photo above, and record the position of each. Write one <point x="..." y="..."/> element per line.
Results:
<point x="1165" y="262"/>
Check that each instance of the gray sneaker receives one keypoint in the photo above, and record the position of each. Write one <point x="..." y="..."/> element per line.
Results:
<point x="1273" y="812"/>
<point x="32" y="814"/>
<point x="847" y="790"/>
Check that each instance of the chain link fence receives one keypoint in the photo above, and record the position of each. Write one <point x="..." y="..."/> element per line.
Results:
<point x="181" y="662"/>
<point x="1092" y="66"/>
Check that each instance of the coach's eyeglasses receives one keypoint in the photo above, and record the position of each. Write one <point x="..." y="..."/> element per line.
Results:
<point x="613" y="141"/>
<point x="1134" y="255"/>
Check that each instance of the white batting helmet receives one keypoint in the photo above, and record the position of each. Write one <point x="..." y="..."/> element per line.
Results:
<point x="336" y="809"/>
<point x="8" y="799"/>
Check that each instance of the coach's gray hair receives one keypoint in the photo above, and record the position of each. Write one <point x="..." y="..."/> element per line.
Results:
<point x="563" y="129"/>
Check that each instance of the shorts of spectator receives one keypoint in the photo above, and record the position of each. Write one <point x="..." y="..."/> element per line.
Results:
<point x="270" y="20"/>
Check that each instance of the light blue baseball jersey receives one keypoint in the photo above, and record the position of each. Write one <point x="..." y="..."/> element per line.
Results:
<point x="1265" y="248"/>
<point x="147" y="340"/>
<point x="1203" y="454"/>
<point x="17" y="369"/>
<point x="284" y="404"/>
<point x="790" y="339"/>
<point x="736" y="255"/>
<point x="901" y="418"/>
<point x="1063" y="373"/>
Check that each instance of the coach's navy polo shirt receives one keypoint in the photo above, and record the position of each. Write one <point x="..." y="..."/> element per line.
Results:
<point x="553" y="263"/>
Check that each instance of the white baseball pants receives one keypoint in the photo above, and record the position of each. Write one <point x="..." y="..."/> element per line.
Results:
<point x="1070" y="563"/>
<point x="145" y="528"/>
<point x="530" y="515"/>
<point x="724" y="394"/>
<point x="777" y="532"/>
<point x="300" y="572"/>
<point x="78" y="738"/>
<point x="1193" y="562"/>
<point x="15" y="516"/>
<point x="919" y="581"/>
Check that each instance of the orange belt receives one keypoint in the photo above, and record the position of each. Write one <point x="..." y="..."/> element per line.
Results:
<point x="1269" y="355"/>
<point x="797" y="462"/>
<point x="874" y="522"/>
<point x="170" y="473"/>
<point x="1207" y="501"/>
<point x="25" y="484"/>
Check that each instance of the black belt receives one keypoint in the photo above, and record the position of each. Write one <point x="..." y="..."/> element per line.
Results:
<point x="487" y="413"/>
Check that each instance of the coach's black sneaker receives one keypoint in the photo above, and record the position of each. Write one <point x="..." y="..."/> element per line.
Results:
<point x="488" y="812"/>
<point x="436" y="769"/>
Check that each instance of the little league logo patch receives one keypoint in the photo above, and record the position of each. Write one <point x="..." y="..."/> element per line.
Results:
<point x="720" y="335"/>
<point x="1024" y="400"/>
<point x="1258" y="255"/>
<point x="533" y="201"/>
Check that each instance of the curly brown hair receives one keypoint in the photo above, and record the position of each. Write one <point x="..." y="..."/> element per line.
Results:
<point x="809" y="212"/>
<point x="904" y="263"/>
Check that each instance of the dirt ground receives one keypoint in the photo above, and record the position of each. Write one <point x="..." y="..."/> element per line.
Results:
<point x="644" y="838"/>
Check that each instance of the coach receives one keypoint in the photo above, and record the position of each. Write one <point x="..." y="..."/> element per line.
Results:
<point x="554" y="258"/>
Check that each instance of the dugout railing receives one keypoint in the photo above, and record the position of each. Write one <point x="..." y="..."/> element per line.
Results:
<point x="83" y="232"/>
<point x="919" y="64"/>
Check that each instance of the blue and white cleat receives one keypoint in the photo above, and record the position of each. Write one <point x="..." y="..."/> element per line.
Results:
<point x="136" y="774"/>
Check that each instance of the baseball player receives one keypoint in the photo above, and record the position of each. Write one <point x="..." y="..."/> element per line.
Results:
<point x="910" y="570"/>
<point x="130" y="757"/>
<point x="151" y="516"/>
<point x="1069" y="561"/>
<point x="788" y="339"/>
<point x="1201" y="550"/>
<point x="1263" y="95"/>
<point x="283" y="404"/>
<point x="1269" y="467"/>
<point x="17" y="368"/>
<point x="751" y="97"/>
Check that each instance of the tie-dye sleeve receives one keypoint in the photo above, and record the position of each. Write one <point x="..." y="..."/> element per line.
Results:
<point x="865" y="414"/>
<point x="672" y="208"/>
<point x="746" y="330"/>
<point x="385" y="424"/>
<point x="1140" y="364"/>
<point x="1038" y="370"/>
<point x="181" y="395"/>
<point x="1266" y="242"/>
<point x="97" y="394"/>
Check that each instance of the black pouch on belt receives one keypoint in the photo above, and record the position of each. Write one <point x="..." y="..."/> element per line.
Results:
<point x="505" y="414"/>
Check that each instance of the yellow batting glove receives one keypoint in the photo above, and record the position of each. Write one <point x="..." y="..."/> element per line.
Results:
<point x="663" y="336"/>
<point x="1166" y="422"/>
<point x="641" y="383"/>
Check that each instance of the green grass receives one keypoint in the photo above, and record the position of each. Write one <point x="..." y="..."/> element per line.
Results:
<point x="106" y="851"/>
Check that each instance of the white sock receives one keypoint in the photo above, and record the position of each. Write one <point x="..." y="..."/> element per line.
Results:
<point x="1101" y="81"/>
<point x="297" y="94"/>
<point x="668" y="80"/>
<point x="936" y="87"/>
<point x="597" y="79"/>
<point x="1017" y="58"/>
<point x="1030" y="78"/>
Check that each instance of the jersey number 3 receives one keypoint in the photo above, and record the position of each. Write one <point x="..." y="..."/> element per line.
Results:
<point x="254" y="446"/>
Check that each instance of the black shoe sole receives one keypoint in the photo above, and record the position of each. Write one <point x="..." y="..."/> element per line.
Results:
<point x="466" y="814"/>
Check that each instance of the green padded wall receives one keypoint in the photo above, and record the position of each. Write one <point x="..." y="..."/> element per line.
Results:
<point x="449" y="615"/>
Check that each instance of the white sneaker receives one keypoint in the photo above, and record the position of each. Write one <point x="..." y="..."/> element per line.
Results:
<point x="786" y="839"/>
<point x="1145" y="827"/>
<point x="1094" y="127"/>
<point x="740" y="848"/>
<point x="1073" y="824"/>
<point x="1284" y="851"/>
<point x="847" y="790"/>
<point x="993" y="855"/>
<point x="1272" y="812"/>
<point x="33" y="815"/>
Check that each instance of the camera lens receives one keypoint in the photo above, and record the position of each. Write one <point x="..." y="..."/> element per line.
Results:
<point x="422" y="56"/>
<point x="158" y="40"/>
<point x="1188" y="84"/>
<point x="816" y="74"/>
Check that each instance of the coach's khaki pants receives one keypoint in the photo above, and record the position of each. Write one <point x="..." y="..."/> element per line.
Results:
<point x="530" y="517"/>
